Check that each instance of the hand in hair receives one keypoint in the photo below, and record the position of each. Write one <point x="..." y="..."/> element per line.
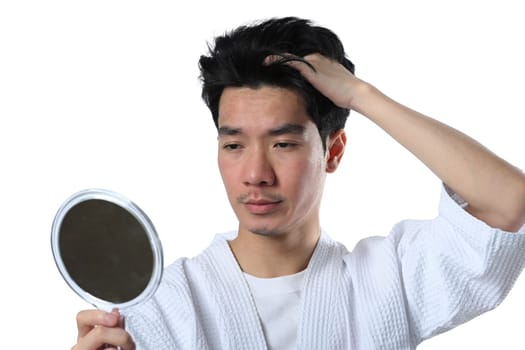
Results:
<point x="329" y="77"/>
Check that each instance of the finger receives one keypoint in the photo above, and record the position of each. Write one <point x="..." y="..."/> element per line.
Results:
<point x="271" y="59"/>
<point x="286" y="58"/>
<point x="88" y="319"/>
<point x="306" y="67"/>
<point x="101" y="336"/>
<point x="120" y="322"/>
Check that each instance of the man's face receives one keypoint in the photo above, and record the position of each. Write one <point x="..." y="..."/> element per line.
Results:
<point x="271" y="160"/>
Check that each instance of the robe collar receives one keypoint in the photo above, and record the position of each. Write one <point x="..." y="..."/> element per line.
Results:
<point x="321" y="323"/>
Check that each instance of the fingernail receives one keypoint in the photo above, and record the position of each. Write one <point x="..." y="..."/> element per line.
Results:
<point x="110" y="318"/>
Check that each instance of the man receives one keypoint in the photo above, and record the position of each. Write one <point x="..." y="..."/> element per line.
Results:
<point x="279" y="92"/>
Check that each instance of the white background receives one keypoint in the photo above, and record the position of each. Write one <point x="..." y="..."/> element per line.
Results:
<point x="105" y="94"/>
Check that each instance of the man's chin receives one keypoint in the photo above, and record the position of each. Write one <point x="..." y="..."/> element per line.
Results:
<point x="265" y="231"/>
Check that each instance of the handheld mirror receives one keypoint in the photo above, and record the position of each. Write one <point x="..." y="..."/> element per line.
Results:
<point x="106" y="249"/>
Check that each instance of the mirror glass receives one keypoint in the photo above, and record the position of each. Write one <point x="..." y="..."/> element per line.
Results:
<point x="107" y="249"/>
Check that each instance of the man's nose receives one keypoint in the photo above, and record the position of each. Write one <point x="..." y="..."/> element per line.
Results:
<point x="258" y="169"/>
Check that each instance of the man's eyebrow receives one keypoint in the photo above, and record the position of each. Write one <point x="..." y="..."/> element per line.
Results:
<point x="295" y="129"/>
<point x="285" y="129"/>
<point x="229" y="131"/>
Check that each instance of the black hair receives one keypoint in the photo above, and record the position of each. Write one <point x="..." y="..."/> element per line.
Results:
<point x="237" y="59"/>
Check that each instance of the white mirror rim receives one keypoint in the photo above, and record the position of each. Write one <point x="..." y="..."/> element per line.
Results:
<point x="132" y="208"/>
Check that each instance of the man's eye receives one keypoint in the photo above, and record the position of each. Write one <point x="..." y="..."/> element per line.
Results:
<point x="284" y="145"/>
<point x="232" y="146"/>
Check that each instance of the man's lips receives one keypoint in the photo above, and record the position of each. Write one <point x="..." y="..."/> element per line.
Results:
<point x="261" y="206"/>
<point x="261" y="202"/>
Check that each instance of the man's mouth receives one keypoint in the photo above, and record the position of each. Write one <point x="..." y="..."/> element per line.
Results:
<point x="263" y="205"/>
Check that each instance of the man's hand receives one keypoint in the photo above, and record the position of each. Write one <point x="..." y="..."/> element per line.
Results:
<point x="330" y="78"/>
<point x="97" y="329"/>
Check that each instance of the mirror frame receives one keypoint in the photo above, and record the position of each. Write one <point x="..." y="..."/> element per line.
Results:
<point x="140" y="216"/>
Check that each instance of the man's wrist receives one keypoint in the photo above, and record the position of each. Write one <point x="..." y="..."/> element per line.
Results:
<point x="364" y="93"/>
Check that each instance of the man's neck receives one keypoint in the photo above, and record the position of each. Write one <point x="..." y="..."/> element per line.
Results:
<point x="274" y="255"/>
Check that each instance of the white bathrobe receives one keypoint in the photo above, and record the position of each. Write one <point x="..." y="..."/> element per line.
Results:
<point x="392" y="292"/>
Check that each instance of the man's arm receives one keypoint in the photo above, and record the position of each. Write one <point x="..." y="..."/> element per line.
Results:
<point x="493" y="188"/>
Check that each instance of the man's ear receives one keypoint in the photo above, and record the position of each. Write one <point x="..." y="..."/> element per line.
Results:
<point x="335" y="148"/>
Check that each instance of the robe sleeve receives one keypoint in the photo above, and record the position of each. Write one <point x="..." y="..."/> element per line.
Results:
<point x="454" y="267"/>
<point x="167" y="320"/>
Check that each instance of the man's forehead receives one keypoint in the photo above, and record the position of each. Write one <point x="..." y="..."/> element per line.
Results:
<point x="273" y="109"/>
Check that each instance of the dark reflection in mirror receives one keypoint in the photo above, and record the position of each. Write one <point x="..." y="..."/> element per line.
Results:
<point x="106" y="250"/>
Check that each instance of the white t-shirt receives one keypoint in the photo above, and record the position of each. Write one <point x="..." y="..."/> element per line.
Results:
<point x="277" y="301"/>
